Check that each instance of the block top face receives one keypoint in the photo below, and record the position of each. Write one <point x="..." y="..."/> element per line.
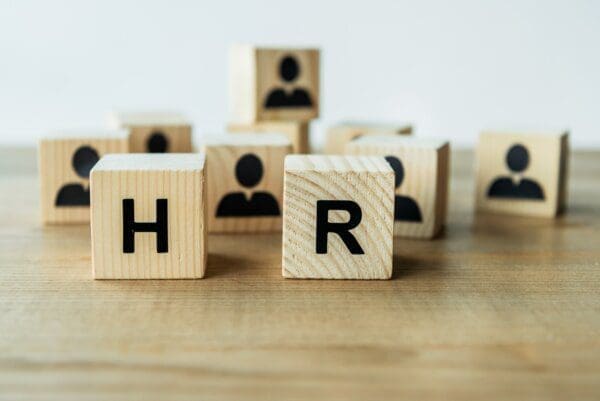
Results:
<point x="378" y="126"/>
<point x="148" y="118"/>
<point x="337" y="164"/>
<point x="86" y="135"/>
<point x="398" y="141"/>
<point x="527" y="134"/>
<point x="279" y="48"/>
<point x="151" y="162"/>
<point x="249" y="139"/>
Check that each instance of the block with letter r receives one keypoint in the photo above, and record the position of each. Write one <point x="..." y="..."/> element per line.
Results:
<point x="148" y="216"/>
<point x="338" y="217"/>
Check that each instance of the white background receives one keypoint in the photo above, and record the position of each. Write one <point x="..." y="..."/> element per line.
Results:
<point x="451" y="67"/>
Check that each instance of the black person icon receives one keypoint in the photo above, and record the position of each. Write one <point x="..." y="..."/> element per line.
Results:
<point x="84" y="158"/>
<point x="248" y="172"/>
<point x="157" y="142"/>
<point x="405" y="208"/>
<point x="289" y="70"/>
<point x="517" y="160"/>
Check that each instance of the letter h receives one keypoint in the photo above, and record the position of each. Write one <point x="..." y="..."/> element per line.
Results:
<point x="160" y="227"/>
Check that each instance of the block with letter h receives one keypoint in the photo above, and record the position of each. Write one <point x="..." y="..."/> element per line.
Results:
<point x="338" y="217"/>
<point x="148" y="217"/>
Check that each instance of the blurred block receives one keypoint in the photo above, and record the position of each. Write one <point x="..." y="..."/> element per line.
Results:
<point x="422" y="173"/>
<point x="341" y="134"/>
<point x="296" y="131"/>
<point x="522" y="174"/>
<point x="273" y="84"/>
<point x="155" y="132"/>
<point x="65" y="161"/>
<point x="149" y="217"/>
<point x="338" y="217"/>
<point x="245" y="182"/>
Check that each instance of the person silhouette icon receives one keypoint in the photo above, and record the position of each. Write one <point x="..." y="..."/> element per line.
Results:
<point x="157" y="143"/>
<point x="289" y="70"/>
<point x="517" y="160"/>
<point x="248" y="172"/>
<point x="84" y="158"/>
<point x="405" y="208"/>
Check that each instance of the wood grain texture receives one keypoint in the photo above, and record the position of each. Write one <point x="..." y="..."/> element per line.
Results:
<point x="339" y="135"/>
<point x="174" y="127"/>
<point x="548" y="167"/>
<point x="367" y="181"/>
<point x="425" y="175"/>
<point x="145" y="178"/>
<point x="56" y="170"/>
<point x="296" y="131"/>
<point x="499" y="308"/>
<point x="254" y="72"/>
<point x="222" y="156"/>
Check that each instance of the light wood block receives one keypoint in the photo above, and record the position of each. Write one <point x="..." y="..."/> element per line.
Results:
<point x="522" y="174"/>
<point x="245" y="182"/>
<point x="155" y="132"/>
<point x="149" y="217"/>
<point x="352" y="194"/>
<point x="341" y="134"/>
<point x="267" y="84"/>
<point x="296" y="131"/>
<point x="65" y="161"/>
<point x="422" y="170"/>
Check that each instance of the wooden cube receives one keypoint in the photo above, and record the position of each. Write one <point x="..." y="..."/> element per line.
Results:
<point x="149" y="216"/>
<point x="296" y="131"/>
<point x="341" y="134"/>
<point x="338" y="217"/>
<point x="155" y="132"/>
<point x="267" y="84"/>
<point x="422" y="169"/>
<point x="522" y="174"/>
<point x="65" y="161"/>
<point x="245" y="182"/>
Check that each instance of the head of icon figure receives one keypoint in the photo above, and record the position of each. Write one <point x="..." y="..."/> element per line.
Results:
<point x="249" y="170"/>
<point x="398" y="168"/>
<point x="84" y="158"/>
<point x="157" y="143"/>
<point x="517" y="158"/>
<point x="289" y="69"/>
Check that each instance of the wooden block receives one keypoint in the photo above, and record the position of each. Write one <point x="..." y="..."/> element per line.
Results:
<point x="338" y="217"/>
<point x="65" y="161"/>
<point x="267" y="84"/>
<point x="296" y="131"/>
<point x="339" y="135"/>
<point x="149" y="216"/>
<point x="422" y="170"/>
<point x="245" y="182"/>
<point x="155" y="132"/>
<point x="522" y="174"/>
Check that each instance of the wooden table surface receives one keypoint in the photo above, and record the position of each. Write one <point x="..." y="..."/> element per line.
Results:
<point x="499" y="308"/>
